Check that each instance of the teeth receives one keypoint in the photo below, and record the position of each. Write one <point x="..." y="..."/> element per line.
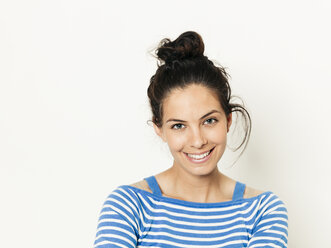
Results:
<point x="201" y="156"/>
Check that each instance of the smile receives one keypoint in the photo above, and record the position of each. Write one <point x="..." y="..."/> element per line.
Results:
<point x="199" y="158"/>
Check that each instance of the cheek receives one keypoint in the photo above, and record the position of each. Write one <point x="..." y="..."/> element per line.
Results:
<point x="176" y="142"/>
<point x="217" y="136"/>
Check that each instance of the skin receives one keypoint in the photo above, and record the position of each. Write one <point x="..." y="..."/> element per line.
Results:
<point x="194" y="122"/>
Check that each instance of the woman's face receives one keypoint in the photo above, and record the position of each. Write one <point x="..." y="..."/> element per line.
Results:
<point x="195" y="128"/>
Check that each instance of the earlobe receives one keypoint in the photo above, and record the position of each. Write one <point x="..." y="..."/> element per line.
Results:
<point x="159" y="132"/>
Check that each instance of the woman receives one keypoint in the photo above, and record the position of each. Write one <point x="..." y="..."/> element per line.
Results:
<point x="191" y="204"/>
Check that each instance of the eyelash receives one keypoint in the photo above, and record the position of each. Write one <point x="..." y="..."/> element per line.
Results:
<point x="214" y="121"/>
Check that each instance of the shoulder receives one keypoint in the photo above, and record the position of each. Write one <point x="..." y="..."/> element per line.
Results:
<point x="122" y="195"/>
<point x="270" y="222"/>
<point x="122" y="200"/>
<point x="230" y="184"/>
<point x="252" y="192"/>
<point x="270" y="204"/>
<point x="142" y="184"/>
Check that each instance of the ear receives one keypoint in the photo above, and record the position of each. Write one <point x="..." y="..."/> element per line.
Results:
<point x="159" y="132"/>
<point x="229" y="121"/>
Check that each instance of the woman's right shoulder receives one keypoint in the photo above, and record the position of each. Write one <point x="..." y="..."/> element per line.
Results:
<point x="125" y="194"/>
<point x="142" y="184"/>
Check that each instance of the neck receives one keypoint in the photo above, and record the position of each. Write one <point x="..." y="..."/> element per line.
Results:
<point x="196" y="188"/>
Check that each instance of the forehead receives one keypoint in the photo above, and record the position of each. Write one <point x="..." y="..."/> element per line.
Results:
<point x="191" y="102"/>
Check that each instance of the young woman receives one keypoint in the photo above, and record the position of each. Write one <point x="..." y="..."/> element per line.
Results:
<point x="191" y="204"/>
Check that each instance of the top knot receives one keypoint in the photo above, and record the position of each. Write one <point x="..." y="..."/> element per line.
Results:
<point x="187" y="45"/>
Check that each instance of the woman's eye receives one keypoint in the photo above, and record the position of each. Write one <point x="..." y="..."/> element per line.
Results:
<point x="177" y="126"/>
<point x="210" y="121"/>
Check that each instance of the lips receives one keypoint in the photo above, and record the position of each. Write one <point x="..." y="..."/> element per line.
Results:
<point x="199" y="157"/>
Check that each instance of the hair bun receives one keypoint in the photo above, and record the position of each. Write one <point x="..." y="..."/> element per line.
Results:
<point x="187" y="45"/>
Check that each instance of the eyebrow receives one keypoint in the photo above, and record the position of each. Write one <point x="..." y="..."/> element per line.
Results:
<point x="204" y="116"/>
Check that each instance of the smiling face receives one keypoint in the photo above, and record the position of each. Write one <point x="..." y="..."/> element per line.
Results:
<point x="195" y="128"/>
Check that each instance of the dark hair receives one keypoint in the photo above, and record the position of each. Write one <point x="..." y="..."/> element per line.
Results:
<point x="182" y="63"/>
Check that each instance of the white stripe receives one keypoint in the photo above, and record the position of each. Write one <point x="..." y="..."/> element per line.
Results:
<point x="281" y="225"/>
<point x="109" y="242"/>
<point x="271" y="219"/>
<point x="272" y="225"/>
<point x="280" y="211"/>
<point x="114" y="220"/>
<point x="119" y="203"/>
<point x="197" y="246"/>
<point x="277" y="232"/>
<point x="143" y="246"/>
<point x="267" y="229"/>
<point x="267" y="238"/>
<point x="219" y="231"/>
<point x="206" y="239"/>
<point x="273" y="209"/>
<point x="267" y="205"/>
<point x="264" y="244"/>
<point x="117" y="229"/>
<point x="266" y="200"/>
<point x="115" y="236"/>
<point x="110" y="212"/>
<point x="223" y="223"/>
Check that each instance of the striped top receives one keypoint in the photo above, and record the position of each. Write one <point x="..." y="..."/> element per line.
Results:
<point x="133" y="217"/>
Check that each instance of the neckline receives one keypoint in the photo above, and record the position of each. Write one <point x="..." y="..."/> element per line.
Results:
<point x="196" y="204"/>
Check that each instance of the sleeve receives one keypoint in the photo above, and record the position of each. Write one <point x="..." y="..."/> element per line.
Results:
<point x="117" y="225"/>
<point x="270" y="229"/>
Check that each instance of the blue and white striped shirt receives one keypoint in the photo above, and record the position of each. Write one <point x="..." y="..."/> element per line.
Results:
<point x="132" y="217"/>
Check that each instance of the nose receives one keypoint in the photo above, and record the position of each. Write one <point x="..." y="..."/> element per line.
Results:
<point x="198" y="140"/>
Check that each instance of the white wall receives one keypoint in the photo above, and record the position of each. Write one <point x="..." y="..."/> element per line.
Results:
<point x="73" y="107"/>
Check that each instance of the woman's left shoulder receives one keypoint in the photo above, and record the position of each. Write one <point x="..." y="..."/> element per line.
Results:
<point x="252" y="192"/>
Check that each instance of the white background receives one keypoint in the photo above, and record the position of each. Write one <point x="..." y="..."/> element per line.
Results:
<point x="73" y="107"/>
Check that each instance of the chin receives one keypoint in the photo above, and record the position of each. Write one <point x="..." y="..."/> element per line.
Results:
<point x="201" y="172"/>
<point x="202" y="169"/>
